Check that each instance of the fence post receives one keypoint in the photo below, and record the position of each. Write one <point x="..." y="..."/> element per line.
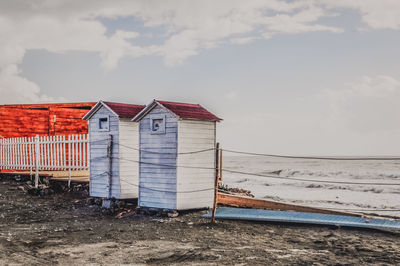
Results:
<point x="69" y="176"/>
<point x="220" y="165"/>
<point x="37" y="158"/>
<point x="69" y="138"/>
<point x="216" y="182"/>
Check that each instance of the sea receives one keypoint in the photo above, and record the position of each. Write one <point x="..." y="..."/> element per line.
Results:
<point x="274" y="179"/>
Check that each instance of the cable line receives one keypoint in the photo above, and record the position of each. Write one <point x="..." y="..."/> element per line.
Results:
<point x="315" y="157"/>
<point x="154" y="189"/>
<point x="311" y="180"/>
<point x="259" y="175"/>
<point x="171" y="153"/>
<point x="360" y="210"/>
<point x="167" y="165"/>
<point x="263" y="154"/>
<point x="168" y="191"/>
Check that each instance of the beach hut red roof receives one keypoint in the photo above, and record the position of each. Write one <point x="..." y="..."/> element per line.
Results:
<point x="123" y="110"/>
<point x="189" y="111"/>
<point x="183" y="110"/>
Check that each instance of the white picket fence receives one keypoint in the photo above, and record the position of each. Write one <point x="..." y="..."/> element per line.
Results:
<point x="45" y="153"/>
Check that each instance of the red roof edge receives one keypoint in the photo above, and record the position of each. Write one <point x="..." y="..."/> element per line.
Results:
<point x="189" y="111"/>
<point x="125" y="110"/>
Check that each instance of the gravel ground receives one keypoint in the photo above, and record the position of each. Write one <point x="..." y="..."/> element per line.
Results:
<point x="69" y="229"/>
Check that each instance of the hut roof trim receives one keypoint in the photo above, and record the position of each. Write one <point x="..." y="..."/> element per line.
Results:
<point x="122" y="110"/>
<point x="182" y="110"/>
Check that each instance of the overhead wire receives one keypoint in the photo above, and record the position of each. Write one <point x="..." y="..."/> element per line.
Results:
<point x="360" y="210"/>
<point x="340" y="158"/>
<point x="172" y="166"/>
<point x="168" y="191"/>
<point x="270" y="176"/>
<point x="154" y="189"/>
<point x="167" y="153"/>
<point x="311" y="180"/>
<point x="315" y="157"/>
<point x="209" y="189"/>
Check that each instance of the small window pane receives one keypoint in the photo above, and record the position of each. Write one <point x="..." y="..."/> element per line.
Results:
<point x="157" y="124"/>
<point x="103" y="123"/>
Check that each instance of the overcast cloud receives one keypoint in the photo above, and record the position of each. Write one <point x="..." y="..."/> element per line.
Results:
<point x="361" y="113"/>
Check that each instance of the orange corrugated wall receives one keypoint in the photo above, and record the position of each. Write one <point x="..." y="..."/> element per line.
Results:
<point x="43" y="119"/>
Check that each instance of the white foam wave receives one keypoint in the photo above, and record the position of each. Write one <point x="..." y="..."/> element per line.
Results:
<point x="338" y="174"/>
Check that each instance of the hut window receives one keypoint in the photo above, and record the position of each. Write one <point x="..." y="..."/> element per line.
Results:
<point x="157" y="124"/>
<point x="104" y="123"/>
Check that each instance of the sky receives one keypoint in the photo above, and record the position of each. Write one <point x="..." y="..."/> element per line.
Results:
<point x="306" y="77"/>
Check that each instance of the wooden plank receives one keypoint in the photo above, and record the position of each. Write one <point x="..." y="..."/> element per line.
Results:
<point x="84" y="152"/>
<point x="50" y="158"/>
<point x="58" y="148"/>
<point x="32" y="152"/>
<point x="17" y="152"/>
<point x="76" y="176"/>
<point x="5" y="153"/>
<point x="23" y="152"/>
<point x="246" y="202"/>
<point x="81" y="151"/>
<point x="12" y="153"/>
<point x="63" y="152"/>
<point x="73" y="152"/>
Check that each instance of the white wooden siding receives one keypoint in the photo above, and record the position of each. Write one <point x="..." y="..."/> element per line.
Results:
<point x="99" y="165"/>
<point x="194" y="136"/>
<point x="157" y="178"/>
<point x="129" y="158"/>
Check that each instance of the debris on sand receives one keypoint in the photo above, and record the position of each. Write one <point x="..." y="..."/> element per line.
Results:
<point x="125" y="213"/>
<point x="173" y="214"/>
<point x="230" y="190"/>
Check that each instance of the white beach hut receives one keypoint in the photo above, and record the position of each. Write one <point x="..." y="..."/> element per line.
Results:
<point x="177" y="156"/>
<point x="114" y="144"/>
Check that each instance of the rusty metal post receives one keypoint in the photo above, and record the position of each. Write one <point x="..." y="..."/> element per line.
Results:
<point x="216" y="182"/>
<point x="109" y="156"/>
<point x="220" y="165"/>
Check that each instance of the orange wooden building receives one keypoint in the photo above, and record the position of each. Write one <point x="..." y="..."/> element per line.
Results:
<point x="27" y="120"/>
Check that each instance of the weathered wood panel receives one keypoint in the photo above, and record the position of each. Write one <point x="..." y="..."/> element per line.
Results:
<point x="195" y="136"/>
<point x="246" y="202"/>
<point x="158" y="181"/>
<point x="129" y="170"/>
<point x="99" y="164"/>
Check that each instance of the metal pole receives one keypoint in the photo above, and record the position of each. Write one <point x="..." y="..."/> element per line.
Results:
<point x="109" y="156"/>
<point x="220" y="165"/>
<point x="216" y="183"/>
<point x="37" y="158"/>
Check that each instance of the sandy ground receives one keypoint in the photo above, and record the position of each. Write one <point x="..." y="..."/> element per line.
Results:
<point x="66" y="229"/>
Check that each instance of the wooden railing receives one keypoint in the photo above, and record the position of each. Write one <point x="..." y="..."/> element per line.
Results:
<point x="45" y="153"/>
